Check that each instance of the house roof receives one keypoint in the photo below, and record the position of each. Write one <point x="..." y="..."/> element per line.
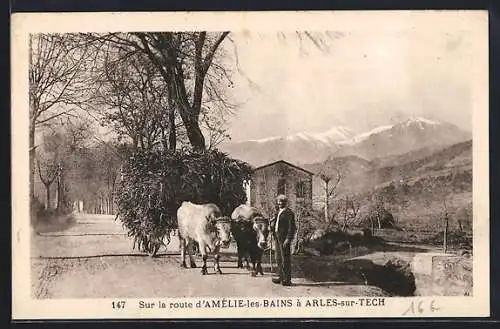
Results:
<point x="285" y="162"/>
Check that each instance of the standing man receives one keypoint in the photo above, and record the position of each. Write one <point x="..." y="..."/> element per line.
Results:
<point x="283" y="227"/>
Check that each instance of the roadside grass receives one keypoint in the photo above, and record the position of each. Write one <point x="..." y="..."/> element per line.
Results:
<point x="53" y="222"/>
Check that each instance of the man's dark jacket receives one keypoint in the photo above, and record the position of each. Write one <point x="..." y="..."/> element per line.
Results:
<point x="286" y="225"/>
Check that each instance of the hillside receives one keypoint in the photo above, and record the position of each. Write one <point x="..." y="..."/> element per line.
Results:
<point x="416" y="186"/>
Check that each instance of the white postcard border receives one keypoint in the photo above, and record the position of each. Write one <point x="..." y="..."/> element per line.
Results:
<point x="24" y="307"/>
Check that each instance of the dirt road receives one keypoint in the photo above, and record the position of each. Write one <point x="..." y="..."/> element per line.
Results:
<point x="93" y="258"/>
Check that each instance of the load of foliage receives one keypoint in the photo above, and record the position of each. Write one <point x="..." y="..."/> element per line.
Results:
<point x="154" y="184"/>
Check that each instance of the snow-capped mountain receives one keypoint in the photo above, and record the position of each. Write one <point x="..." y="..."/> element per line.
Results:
<point x="333" y="135"/>
<point x="411" y="134"/>
<point x="297" y="148"/>
<point x="304" y="148"/>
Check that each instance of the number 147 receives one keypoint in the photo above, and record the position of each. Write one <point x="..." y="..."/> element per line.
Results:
<point x="118" y="304"/>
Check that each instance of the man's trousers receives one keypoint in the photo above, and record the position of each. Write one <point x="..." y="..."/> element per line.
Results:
<point x="284" y="260"/>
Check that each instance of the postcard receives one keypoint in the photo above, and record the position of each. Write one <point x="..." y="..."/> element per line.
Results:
<point x="275" y="165"/>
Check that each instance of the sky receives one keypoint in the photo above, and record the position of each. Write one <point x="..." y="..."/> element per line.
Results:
<point x="366" y="77"/>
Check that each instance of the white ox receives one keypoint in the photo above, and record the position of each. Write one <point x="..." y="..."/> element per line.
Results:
<point x="204" y="224"/>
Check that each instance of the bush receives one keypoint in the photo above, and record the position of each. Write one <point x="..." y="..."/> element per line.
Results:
<point x="39" y="214"/>
<point x="453" y="239"/>
<point x="378" y="215"/>
<point x="337" y="242"/>
<point x="36" y="210"/>
<point x="155" y="183"/>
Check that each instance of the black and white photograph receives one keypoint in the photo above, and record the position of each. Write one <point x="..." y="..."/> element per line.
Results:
<point x="271" y="164"/>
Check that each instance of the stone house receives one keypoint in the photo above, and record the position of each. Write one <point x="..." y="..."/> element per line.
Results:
<point x="280" y="177"/>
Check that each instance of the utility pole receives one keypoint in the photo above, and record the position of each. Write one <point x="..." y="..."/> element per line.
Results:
<point x="445" y="233"/>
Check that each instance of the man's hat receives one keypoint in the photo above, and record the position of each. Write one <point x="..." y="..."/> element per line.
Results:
<point x="282" y="197"/>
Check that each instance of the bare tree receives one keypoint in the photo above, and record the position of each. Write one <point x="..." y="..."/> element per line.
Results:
<point x="47" y="171"/>
<point x="350" y="212"/>
<point x="108" y="166"/>
<point x="464" y="218"/>
<point x="57" y="81"/>
<point x="137" y="98"/>
<point x="436" y="190"/>
<point x="331" y="178"/>
<point x="378" y="215"/>
<point x="215" y="127"/>
<point x="185" y="61"/>
<point x="170" y="52"/>
<point x="61" y="147"/>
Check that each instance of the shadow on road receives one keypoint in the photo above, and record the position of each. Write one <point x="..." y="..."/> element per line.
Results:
<point x="58" y="235"/>
<point x="91" y="256"/>
<point x="226" y="273"/>
<point x="321" y="284"/>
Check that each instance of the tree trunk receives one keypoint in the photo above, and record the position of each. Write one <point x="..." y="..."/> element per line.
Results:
<point x="172" y="135"/>
<point x="344" y="225"/>
<point x="445" y="235"/>
<point x="32" y="111"/>
<point x="32" y="161"/>
<point x="112" y="203"/>
<point x="58" y="191"/>
<point x="174" y="76"/>
<point x="47" y="196"/>
<point x="326" y="201"/>
<point x="195" y="136"/>
<point x="295" y="244"/>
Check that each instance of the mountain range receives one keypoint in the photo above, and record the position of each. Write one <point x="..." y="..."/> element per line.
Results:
<point x="360" y="175"/>
<point x="378" y="144"/>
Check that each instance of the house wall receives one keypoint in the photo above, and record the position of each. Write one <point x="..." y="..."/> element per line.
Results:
<point x="264" y="187"/>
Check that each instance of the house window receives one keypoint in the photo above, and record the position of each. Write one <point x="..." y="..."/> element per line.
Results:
<point x="262" y="187"/>
<point x="300" y="190"/>
<point x="282" y="186"/>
